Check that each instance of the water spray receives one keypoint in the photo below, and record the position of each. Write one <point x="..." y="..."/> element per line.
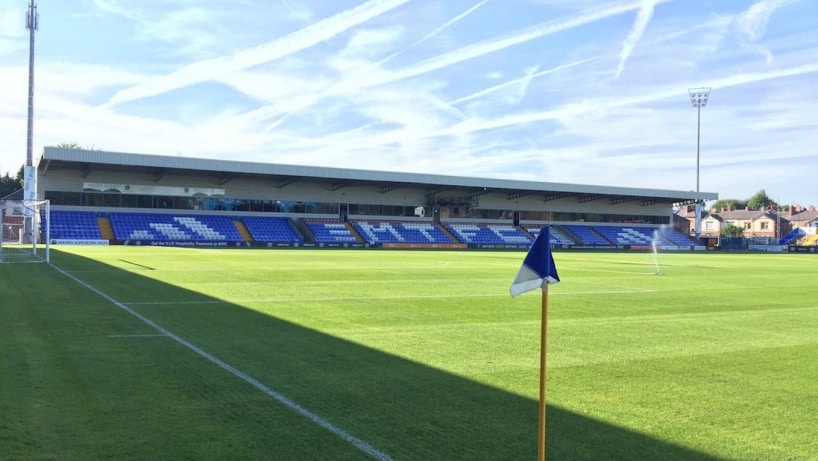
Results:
<point x="655" y="244"/>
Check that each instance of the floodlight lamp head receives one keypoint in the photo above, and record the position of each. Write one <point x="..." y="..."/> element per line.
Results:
<point x="699" y="96"/>
<point x="32" y="18"/>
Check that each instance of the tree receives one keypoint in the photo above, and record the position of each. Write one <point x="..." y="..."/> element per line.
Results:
<point x="69" y="145"/>
<point x="728" y="203"/>
<point x="731" y="230"/>
<point x="9" y="184"/>
<point x="760" y="201"/>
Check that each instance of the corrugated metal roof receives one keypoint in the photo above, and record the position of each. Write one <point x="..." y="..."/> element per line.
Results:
<point x="237" y="167"/>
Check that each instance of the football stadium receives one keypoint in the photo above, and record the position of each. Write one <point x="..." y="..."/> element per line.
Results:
<point x="212" y="309"/>
<point x="107" y="197"/>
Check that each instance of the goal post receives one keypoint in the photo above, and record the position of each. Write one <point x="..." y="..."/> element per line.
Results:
<point x="26" y="231"/>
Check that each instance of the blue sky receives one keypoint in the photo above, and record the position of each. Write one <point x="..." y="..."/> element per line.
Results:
<point x="568" y="91"/>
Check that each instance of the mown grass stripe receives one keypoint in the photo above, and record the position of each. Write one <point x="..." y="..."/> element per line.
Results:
<point x="371" y="298"/>
<point x="292" y="405"/>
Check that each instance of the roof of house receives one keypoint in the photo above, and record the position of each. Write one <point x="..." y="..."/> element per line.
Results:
<point x="806" y="215"/>
<point x="745" y="215"/>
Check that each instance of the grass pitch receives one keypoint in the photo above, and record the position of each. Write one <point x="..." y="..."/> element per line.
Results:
<point x="168" y="353"/>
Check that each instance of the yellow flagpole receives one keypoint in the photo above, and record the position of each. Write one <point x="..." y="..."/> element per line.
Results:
<point x="543" y="335"/>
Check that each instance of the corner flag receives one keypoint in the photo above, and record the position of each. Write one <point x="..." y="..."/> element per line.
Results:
<point x="538" y="268"/>
<point x="538" y="271"/>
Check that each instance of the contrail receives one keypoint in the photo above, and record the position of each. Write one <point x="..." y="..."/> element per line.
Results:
<point x="339" y="87"/>
<point x="472" y="51"/>
<point x="639" y="25"/>
<point x="299" y="40"/>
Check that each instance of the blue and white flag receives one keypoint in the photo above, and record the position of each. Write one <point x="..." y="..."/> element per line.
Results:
<point x="538" y="268"/>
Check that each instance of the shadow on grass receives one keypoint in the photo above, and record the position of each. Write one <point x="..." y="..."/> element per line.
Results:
<point x="401" y="408"/>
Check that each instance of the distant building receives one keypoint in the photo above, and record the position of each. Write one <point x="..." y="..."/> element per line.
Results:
<point x="754" y="223"/>
<point x="803" y="217"/>
<point x="764" y="223"/>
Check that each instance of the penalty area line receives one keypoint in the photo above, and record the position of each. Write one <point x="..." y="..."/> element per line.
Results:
<point x="281" y="398"/>
<point x="137" y="336"/>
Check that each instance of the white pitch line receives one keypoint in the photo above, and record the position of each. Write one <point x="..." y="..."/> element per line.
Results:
<point x="607" y="292"/>
<point x="286" y="401"/>
<point x="137" y="336"/>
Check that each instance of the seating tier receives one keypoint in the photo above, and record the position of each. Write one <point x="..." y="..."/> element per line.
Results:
<point x="400" y="232"/>
<point x="155" y="226"/>
<point x="80" y="225"/>
<point x="586" y="235"/>
<point x="330" y="231"/>
<point x="676" y="237"/>
<point x="626" y="235"/>
<point x="557" y="236"/>
<point x="271" y="229"/>
<point x="489" y="234"/>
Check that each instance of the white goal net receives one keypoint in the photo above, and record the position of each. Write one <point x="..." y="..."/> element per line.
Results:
<point x="26" y="230"/>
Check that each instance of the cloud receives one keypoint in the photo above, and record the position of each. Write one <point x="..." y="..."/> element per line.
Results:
<point x="352" y="82"/>
<point x="752" y="24"/>
<point x="496" y="44"/>
<point x="298" y="11"/>
<point x="525" y="80"/>
<point x="641" y="22"/>
<point x="374" y="77"/>
<point x="289" y="44"/>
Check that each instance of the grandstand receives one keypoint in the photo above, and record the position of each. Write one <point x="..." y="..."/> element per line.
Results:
<point x="124" y="198"/>
<point x="238" y="230"/>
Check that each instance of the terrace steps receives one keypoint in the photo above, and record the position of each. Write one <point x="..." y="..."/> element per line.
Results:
<point x="105" y="228"/>
<point x="358" y="237"/>
<point x="245" y="234"/>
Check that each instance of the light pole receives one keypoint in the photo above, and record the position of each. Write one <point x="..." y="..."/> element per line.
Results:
<point x="698" y="96"/>
<point x="30" y="176"/>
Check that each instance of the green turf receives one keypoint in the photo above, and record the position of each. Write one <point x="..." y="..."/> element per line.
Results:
<point x="420" y="355"/>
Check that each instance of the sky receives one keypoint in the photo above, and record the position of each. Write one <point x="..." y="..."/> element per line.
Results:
<point x="592" y="92"/>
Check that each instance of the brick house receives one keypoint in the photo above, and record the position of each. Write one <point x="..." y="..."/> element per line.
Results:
<point x="684" y="220"/>
<point x="802" y="217"/>
<point x="763" y="223"/>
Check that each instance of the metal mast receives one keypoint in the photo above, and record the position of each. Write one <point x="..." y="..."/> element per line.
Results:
<point x="30" y="186"/>
<point x="698" y="97"/>
<point x="32" y="21"/>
